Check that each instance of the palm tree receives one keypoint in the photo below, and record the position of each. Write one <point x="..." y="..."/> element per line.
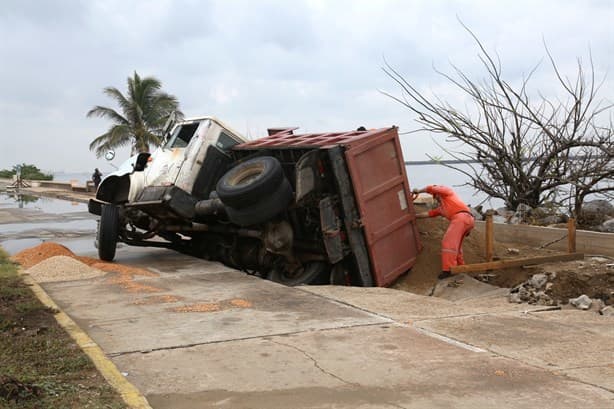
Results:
<point x="144" y="112"/>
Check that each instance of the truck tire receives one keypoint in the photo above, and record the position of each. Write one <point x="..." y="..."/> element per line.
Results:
<point x="108" y="231"/>
<point x="312" y="272"/>
<point x="247" y="182"/>
<point x="265" y="209"/>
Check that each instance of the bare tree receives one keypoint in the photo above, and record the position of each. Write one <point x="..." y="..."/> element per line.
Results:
<point x="529" y="148"/>
<point x="591" y="172"/>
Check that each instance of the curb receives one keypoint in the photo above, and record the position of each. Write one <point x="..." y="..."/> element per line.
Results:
<point x="128" y="392"/>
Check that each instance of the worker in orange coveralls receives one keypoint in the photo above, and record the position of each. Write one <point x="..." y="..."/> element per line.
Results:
<point x="461" y="222"/>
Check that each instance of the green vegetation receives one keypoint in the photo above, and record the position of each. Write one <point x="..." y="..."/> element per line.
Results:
<point x="41" y="366"/>
<point x="29" y="172"/>
<point x="144" y="112"/>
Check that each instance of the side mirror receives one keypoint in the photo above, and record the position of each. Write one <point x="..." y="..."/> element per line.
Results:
<point x="170" y="121"/>
<point x="109" y="155"/>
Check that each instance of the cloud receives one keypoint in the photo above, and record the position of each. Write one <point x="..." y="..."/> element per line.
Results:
<point x="316" y="64"/>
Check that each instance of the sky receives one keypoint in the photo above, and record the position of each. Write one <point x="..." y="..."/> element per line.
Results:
<point x="260" y="64"/>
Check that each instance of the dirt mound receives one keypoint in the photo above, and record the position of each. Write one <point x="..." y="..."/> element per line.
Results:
<point x="423" y="276"/>
<point x="593" y="277"/>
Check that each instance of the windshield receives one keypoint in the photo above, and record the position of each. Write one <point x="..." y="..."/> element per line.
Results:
<point x="181" y="136"/>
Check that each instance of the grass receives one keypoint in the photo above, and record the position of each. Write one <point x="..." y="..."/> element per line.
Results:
<point x="42" y="367"/>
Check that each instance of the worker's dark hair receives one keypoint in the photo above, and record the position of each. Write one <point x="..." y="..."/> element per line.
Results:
<point x="361" y="128"/>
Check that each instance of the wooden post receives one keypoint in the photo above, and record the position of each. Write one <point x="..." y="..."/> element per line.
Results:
<point x="496" y="265"/>
<point x="571" y="235"/>
<point x="489" y="237"/>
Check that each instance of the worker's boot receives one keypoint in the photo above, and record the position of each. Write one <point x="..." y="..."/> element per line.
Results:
<point x="444" y="275"/>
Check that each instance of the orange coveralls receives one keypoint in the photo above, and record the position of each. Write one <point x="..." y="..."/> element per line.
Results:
<point x="461" y="222"/>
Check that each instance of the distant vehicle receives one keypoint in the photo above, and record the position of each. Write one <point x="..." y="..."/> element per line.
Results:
<point x="296" y="209"/>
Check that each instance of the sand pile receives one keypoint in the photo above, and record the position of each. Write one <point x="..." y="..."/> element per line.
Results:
<point x="66" y="264"/>
<point x="34" y="255"/>
<point x="62" y="268"/>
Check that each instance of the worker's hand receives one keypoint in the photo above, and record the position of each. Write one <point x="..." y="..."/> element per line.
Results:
<point x="414" y="194"/>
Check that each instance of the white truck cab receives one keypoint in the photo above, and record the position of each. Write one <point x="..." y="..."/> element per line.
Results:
<point x="178" y="162"/>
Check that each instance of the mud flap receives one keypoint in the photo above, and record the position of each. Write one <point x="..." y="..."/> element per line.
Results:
<point x="94" y="207"/>
<point x="331" y="231"/>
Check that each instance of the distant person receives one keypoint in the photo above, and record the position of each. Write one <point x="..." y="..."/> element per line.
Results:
<point x="461" y="223"/>
<point x="96" y="177"/>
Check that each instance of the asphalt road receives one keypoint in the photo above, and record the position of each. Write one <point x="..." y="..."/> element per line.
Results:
<point x="196" y="334"/>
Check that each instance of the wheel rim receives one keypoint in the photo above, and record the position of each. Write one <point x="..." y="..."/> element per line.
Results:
<point x="246" y="176"/>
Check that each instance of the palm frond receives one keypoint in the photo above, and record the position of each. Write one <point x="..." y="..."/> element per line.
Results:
<point x="144" y="111"/>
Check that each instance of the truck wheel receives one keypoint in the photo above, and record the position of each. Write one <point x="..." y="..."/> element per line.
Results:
<point x="247" y="182"/>
<point x="108" y="231"/>
<point x="312" y="272"/>
<point x="265" y="209"/>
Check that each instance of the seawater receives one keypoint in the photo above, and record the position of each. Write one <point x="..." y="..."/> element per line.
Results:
<point x="78" y="177"/>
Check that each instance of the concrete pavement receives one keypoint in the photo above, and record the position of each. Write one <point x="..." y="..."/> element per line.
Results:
<point x="280" y="347"/>
<point x="197" y="334"/>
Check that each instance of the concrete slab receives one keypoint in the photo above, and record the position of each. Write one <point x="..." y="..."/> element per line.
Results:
<point x="600" y="375"/>
<point x="362" y="367"/>
<point x="526" y="337"/>
<point x="407" y="307"/>
<point x="194" y="304"/>
<point x="577" y="320"/>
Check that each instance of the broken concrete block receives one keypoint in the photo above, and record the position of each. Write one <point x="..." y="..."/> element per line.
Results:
<point x="608" y="311"/>
<point x="582" y="302"/>
<point x="538" y="280"/>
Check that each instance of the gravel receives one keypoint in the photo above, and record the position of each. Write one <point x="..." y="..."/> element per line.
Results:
<point x="62" y="268"/>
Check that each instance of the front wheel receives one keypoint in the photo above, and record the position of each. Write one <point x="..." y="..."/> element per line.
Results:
<point x="108" y="232"/>
<point x="314" y="272"/>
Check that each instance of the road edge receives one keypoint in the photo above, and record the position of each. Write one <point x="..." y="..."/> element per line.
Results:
<point x="128" y="392"/>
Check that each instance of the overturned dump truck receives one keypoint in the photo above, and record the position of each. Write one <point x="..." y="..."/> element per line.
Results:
<point x="297" y="209"/>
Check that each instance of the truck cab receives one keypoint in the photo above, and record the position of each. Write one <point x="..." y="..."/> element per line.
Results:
<point x="178" y="162"/>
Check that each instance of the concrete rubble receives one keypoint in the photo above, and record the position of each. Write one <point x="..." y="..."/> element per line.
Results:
<point x="533" y="291"/>
<point x="582" y="302"/>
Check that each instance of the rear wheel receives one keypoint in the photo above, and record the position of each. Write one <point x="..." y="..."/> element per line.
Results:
<point x="108" y="231"/>
<point x="313" y="272"/>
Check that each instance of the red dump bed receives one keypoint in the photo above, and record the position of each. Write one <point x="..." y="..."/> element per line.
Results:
<point x="383" y="196"/>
